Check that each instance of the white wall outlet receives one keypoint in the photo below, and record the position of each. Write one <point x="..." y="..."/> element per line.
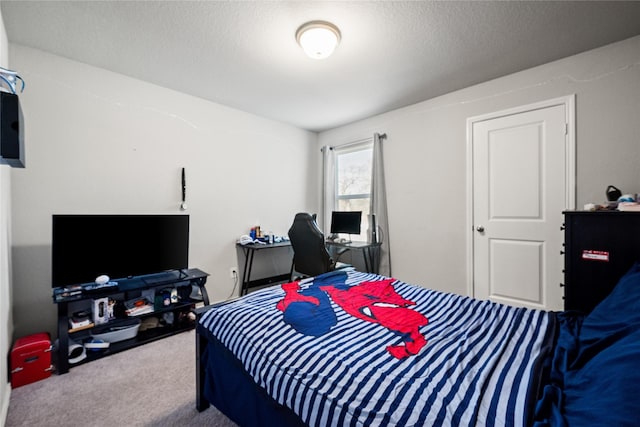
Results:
<point x="233" y="272"/>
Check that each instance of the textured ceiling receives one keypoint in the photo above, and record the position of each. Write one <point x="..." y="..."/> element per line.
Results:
<point x="244" y="54"/>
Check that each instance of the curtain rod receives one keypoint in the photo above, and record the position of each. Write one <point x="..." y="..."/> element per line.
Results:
<point x="360" y="141"/>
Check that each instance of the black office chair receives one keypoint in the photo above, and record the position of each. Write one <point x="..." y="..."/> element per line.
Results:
<point x="310" y="255"/>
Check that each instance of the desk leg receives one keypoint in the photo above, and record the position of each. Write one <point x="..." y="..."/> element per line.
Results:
<point x="375" y="259"/>
<point x="246" y="271"/>
<point x="367" y="259"/>
<point x="371" y="259"/>
<point x="203" y="291"/>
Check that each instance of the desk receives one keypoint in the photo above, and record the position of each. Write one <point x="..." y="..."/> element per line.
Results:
<point x="249" y="252"/>
<point x="370" y="252"/>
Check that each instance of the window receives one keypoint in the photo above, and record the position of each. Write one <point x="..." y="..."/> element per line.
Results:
<point x="353" y="182"/>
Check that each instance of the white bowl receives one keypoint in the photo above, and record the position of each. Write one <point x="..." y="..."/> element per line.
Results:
<point x="118" y="331"/>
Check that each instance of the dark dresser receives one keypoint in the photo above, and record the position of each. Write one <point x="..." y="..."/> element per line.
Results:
<point x="599" y="249"/>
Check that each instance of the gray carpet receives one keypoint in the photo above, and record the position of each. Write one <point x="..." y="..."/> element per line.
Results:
<point x="150" y="385"/>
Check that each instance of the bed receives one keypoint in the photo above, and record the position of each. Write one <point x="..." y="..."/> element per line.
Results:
<point x="348" y="348"/>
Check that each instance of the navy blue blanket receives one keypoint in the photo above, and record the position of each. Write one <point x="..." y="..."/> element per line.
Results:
<point x="595" y="373"/>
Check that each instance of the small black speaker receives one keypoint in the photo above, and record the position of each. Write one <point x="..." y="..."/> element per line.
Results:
<point x="11" y="132"/>
<point x="374" y="229"/>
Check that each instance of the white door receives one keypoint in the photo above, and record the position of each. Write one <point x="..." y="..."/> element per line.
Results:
<point x="521" y="183"/>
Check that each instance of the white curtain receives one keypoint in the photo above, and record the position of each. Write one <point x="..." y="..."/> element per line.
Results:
<point x="379" y="205"/>
<point x="328" y="187"/>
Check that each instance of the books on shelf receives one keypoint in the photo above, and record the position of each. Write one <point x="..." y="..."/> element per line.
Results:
<point x="138" y="306"/>
<point x="629" y="207"/>
<point x="80" y="320"/>
<point x="80" y="328"/>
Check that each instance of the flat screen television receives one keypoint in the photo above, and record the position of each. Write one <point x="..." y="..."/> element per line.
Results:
<point x="347" y="222"/>
<point x="120" y="246"/>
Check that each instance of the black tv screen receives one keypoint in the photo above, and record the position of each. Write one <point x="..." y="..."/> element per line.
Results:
<point x="120" y="246"/>
<point x="347" y="222"/>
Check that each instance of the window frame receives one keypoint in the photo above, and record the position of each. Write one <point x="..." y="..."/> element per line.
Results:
<point x="337" y="197"/>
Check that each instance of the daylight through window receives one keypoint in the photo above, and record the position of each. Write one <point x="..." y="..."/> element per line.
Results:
<point x="353" y="183"/>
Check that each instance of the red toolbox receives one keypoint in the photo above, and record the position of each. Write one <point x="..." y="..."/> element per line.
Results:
<point x="31" y="359"/>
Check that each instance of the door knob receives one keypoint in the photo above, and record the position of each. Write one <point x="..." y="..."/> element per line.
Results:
<point x="480" y="229"/>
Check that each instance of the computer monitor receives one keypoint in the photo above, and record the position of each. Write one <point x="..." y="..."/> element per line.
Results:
<point x="347" y="222"/>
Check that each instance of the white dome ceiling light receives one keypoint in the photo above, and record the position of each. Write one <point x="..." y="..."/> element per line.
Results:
<point x="318" y="39"/>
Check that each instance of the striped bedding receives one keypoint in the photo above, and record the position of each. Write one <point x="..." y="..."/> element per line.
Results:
<point x="359" y="349"/>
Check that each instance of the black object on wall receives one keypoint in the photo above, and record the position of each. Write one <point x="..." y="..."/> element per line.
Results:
<point x="11" y="131"/>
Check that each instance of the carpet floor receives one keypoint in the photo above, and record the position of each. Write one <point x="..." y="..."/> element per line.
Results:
<point x="150" y="385"/>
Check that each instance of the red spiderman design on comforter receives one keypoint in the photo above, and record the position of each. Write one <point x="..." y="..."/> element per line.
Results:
<point x="309" y="310"/>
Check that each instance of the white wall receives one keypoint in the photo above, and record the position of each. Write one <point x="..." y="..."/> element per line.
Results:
<point x="425" y="152"/>
<point x="99" y="142"/>
<point x="6" y="324"/>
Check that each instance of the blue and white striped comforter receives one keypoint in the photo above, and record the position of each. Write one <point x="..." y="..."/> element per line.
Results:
<point x="475" y="369"/>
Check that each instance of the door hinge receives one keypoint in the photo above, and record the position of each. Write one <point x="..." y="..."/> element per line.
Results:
<point x="566" y="128"/>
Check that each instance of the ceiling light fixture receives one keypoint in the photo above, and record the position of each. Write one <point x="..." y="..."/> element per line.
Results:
<point x="318" y="39"/>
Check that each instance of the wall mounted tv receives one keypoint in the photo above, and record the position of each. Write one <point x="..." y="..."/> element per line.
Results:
<point x="120" y="246"/>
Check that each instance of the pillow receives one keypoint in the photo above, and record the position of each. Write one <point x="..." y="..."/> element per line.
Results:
<point x="602" y="382"/>
<point x="622" y="304"/>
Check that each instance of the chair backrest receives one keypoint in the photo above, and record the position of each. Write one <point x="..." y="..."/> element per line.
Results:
<point x="310" y="255"/>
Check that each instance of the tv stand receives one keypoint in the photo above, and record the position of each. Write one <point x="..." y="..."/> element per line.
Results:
<point x="69" y="299"/>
